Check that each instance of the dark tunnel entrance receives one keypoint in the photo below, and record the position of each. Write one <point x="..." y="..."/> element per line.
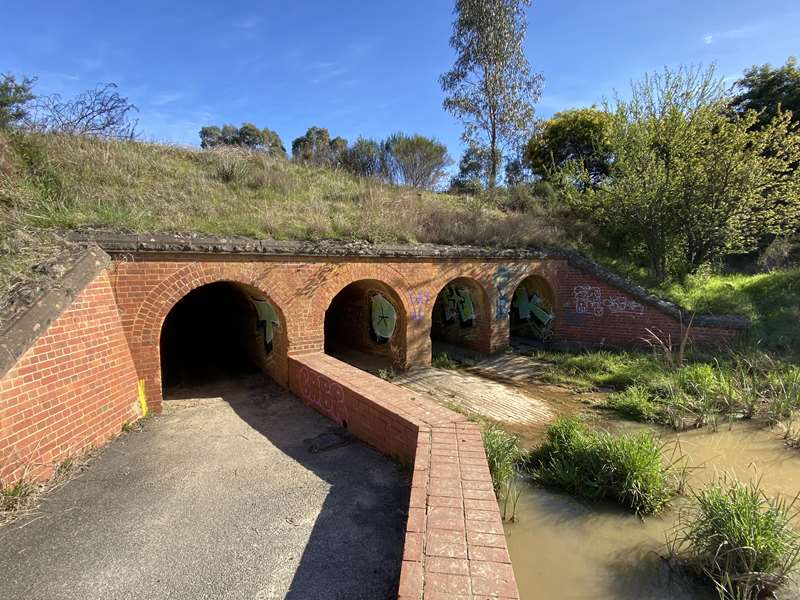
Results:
<point x="459" y="318"/>
<point x="218" y="331"/>
<point x="532" y="311"/>
<point x="365" y="326"/>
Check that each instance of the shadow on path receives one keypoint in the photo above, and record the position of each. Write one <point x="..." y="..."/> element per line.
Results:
<point x="220" y="497"/>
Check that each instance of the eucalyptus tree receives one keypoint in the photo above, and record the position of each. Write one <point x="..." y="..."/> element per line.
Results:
<point x="491" y="87"/>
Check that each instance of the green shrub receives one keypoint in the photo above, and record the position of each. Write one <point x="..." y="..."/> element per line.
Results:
<point x="698" y="377"/>
<point x="635" y="403"/>
<point x="738" y="537"/>
<point x="598" y="465"/>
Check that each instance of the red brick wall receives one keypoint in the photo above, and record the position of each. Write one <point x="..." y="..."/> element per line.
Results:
<point x="74" y="388"/>
<point x="587" y="310"/>
<point x="76" y="385"/>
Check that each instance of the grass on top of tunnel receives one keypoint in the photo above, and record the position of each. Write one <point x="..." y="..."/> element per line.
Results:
<point x="630" y="469"/>
<point x="54" y="182"/>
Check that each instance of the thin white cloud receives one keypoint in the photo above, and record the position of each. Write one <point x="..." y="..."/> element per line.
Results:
<point x="736" y="33"/>
<point x="163" y="98"/>
<point x="90" y="64"/>
<point x="251" y="22"/>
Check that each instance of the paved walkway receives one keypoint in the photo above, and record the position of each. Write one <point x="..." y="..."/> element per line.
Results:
<point x="217" y="498"/>
<point x="477" y="395"/>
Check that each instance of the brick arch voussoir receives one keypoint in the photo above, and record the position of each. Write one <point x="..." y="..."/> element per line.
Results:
<point x="353" y="272"/>
<point x="146" y="329"/>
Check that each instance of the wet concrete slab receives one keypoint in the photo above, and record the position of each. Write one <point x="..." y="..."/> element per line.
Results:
<point x="219" y="497"/>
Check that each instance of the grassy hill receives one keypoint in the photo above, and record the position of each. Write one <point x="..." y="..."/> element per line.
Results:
<point x="52" y="182"/>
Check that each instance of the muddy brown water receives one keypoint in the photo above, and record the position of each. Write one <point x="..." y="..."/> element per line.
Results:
<point x="568" y="549"/>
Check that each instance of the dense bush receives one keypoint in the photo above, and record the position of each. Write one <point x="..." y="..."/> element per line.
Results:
<point x="598" y="465"/>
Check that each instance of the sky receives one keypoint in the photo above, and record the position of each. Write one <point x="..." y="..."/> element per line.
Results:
<point x="366" y="68"/>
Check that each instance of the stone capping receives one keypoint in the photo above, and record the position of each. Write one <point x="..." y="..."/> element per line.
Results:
<point x="22" y="330"/>
<point x="126" y="243"/>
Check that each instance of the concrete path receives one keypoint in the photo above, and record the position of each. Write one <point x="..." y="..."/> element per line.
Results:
<point x="217" y="498"/>
<point x="477" y="395"/>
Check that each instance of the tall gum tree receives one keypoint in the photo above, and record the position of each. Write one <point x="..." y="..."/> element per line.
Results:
<point x="491" y="88"/>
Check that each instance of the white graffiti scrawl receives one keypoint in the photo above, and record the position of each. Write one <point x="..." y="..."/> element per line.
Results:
<point x="589" y="300"/>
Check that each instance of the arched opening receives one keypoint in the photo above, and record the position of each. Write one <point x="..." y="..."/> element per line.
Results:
<point x="459" y="318"/>
<point x="365" y="325"/>
<point x="532" y="311"/>
<point x="218" y="331"/>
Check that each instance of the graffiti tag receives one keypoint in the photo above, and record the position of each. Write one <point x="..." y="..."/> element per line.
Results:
<point x="324" y="394"/>
<point x="589" y="301"/>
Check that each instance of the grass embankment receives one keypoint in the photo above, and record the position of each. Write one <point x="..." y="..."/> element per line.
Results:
<point x="758" y="378"/>
<point x="704" y="391"/>
<point x="50" y="182"/>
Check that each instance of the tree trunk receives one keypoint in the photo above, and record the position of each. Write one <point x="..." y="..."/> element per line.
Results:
<point x="493" y="159"/>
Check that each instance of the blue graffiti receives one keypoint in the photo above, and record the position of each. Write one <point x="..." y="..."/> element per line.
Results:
<point x="501" y="279"/>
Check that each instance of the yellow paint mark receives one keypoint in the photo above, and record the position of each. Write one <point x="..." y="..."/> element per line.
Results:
<point x="142" y="398"/>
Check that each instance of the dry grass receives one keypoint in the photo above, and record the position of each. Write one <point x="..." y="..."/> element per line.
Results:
<point x="21" y="500"/>
<point x="50" y="182"/>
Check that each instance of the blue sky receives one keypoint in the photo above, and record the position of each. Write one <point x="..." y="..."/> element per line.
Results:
<point x="361" y="68"/>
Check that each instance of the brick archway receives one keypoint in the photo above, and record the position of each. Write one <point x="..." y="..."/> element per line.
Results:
<point x="149" y="319"/>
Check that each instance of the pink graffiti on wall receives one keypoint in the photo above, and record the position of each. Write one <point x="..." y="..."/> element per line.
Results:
<point x="324" y="394"/>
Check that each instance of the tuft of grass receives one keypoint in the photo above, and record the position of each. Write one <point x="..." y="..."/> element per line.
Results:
<point x="16" y="498"/>
<point x="739" y="538"/>
<point x="442" y="361"/>
<point x="386" y="374"/>
<point x="598" y="368"/>
<point x="597" y="465"/>
<point x="635" y="402"/>
<point x="504" y="454"/>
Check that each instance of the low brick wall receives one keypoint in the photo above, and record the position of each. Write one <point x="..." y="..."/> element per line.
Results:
<point x="455" y="547"/>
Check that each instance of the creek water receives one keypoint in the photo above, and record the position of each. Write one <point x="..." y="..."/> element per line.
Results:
<point x="569" y="549"/>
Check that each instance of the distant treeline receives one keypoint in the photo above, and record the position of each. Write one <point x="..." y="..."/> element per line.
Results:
<point x="402" y="159"/>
